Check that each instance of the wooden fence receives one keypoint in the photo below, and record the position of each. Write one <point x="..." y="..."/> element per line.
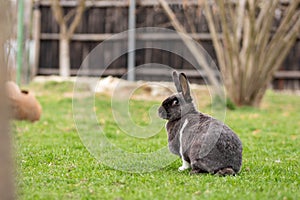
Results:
<point x="102" y="19"/>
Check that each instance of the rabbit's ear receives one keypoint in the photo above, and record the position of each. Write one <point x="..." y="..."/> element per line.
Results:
<point x="176" y="81"/>
<point x="185" y="87"/>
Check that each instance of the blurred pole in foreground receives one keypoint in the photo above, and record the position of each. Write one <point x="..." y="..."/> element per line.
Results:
<point x="6" y="164"/>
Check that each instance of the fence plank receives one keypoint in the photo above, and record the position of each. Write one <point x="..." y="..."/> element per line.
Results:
<point x="287" y="74"/>
<point x="140" y="36"/>
<point x="88" y="72"/>
<point x="117" y="3"/>
<point x="122" y="3"/>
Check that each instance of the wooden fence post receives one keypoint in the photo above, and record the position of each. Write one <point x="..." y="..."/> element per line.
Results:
<point x="36" y="37"/>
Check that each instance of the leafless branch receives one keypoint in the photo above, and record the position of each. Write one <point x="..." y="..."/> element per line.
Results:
<point x="249" y="52"/>
<point x="62" y="20"/>
<point x="79" y="12"/>
<point x="191" y="46"/>
<point x="58" y="12"/>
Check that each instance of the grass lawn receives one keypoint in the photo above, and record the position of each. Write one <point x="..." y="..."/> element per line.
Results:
<point x="53" y="163"/>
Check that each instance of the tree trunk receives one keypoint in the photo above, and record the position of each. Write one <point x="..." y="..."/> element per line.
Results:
<point x="64" y="56"/>
<point x="252" y="99"/>
<point x="66" y="32"/>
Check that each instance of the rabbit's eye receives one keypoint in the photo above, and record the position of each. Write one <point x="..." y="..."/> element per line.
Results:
<point x="175" y="102"/>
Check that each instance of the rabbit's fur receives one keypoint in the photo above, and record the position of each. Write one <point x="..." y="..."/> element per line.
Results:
<point x="204" y="144"/>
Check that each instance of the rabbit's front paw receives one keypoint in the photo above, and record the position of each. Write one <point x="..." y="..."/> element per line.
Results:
<point x="185" y="165"/>
<point x="182" y="168"/>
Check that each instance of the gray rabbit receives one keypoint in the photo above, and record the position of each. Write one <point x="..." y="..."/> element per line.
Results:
<point x="204" y="144"/>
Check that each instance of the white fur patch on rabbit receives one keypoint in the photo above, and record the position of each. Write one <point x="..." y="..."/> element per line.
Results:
<point x="185" y="164"/>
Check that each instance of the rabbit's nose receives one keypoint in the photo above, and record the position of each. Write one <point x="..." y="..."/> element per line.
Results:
<point x="162" y="112"/>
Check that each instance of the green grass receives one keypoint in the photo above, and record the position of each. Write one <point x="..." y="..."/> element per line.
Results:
<point x="53" y="163"/>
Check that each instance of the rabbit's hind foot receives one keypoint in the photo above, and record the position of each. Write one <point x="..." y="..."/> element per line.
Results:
<point x="225" y="171"/>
